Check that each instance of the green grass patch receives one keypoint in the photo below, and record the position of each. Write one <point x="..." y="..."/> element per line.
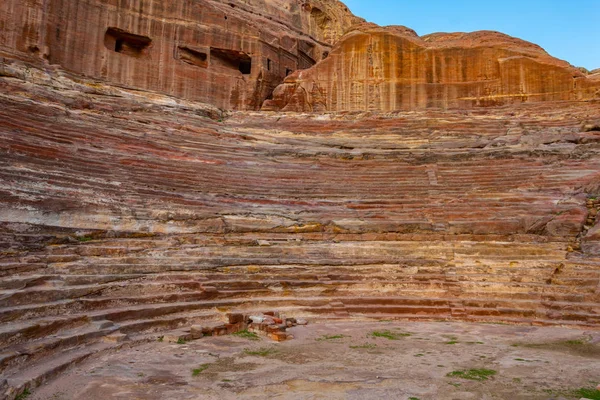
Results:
<point x="262" y="352"/>
<point x="181" y="341"/>
<point x="84" y="239"/>
<point x="161" y="338"/>
<point x="413" y="398"/>
<point x="419" y="355"/>
<point x="331" y="337"/>
<point x="24" y="394"/>
<point x="588" y="393"/>
<point x="364" y="346"/>
<point x="246" y="334"/>
<point x="473" y="374"/>
<point x="198" y="371"/>
<point x="389" y="335"/>
<point x="452" y="342"/>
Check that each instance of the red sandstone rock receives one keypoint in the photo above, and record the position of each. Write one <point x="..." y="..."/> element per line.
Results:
<point x="236" y="318"/>
<point x="391" y="68"/>
<point x="279" y="336"/>
<point x="228" y="53"/>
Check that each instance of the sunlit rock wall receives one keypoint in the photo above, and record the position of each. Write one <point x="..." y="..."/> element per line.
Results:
<point x="391" y="68"/>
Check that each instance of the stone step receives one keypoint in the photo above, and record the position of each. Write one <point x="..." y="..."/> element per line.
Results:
<point x="47" y="369"/>
<point x="50" y="294"/>
<point x="16" y="356"/>
<point x="21" y="332"/>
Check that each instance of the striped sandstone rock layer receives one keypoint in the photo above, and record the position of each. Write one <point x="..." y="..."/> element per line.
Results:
<point x="230" y="54"/>
<point x="392" y="68"/>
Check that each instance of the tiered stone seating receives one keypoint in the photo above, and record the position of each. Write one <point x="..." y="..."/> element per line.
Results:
<point x="130" y="218"/>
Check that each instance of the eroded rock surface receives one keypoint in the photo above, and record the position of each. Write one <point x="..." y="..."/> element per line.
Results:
<point x="229" y="54"/>
<point x="344" y="360"/>
<point x="391" y="68"/>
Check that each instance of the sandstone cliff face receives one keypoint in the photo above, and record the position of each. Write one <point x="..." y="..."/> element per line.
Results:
<point x="391" y="68"/>
<point x="229" y="54"/>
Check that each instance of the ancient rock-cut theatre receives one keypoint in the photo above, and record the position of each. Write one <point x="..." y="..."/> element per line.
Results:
<point x="164" y="163"/>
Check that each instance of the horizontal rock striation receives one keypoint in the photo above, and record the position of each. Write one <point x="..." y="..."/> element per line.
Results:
<point x="391" y="68"/>
<point x="125" y="214"/>
<point x="230" y="54"/>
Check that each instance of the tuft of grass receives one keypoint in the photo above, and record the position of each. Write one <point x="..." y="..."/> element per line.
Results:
<point x="24" y="394"/>
<point x="246" y="334"/>
<point x="262" y="352"/>
<point x="588" y="393"/>
<point x="84" y="239"/>
<point x="198" y="371"/>
<point x="452" y="342"/>
<point x="419" y="355"/>
<point x="181" y="341"/>
<point x="331" y="337"/>
<point x="473" y="374"/>
<point x="389" y="335"/>
<point x="161" y="338"/>
<point x="413" y="398"/>
<point x="364" y="346"/>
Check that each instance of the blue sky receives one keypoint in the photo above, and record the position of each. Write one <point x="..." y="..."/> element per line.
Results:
<point x="569" y="30"/>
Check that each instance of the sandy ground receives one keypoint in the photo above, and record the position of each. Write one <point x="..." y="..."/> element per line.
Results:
<point x="345" y="361"/>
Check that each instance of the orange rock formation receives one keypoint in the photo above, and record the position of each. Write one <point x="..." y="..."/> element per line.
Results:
<point x="391" y="68"/>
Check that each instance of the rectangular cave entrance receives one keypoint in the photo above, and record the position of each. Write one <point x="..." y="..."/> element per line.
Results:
<point x="192" y="57"/>
<point x="127" y="43"/>
<point x="231" y="59"/>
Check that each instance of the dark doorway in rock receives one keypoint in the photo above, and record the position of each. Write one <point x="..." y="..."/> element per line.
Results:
<point x="245" y="67"/>
<point x="127" y="43"/>
<point x="232" y="59"/>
